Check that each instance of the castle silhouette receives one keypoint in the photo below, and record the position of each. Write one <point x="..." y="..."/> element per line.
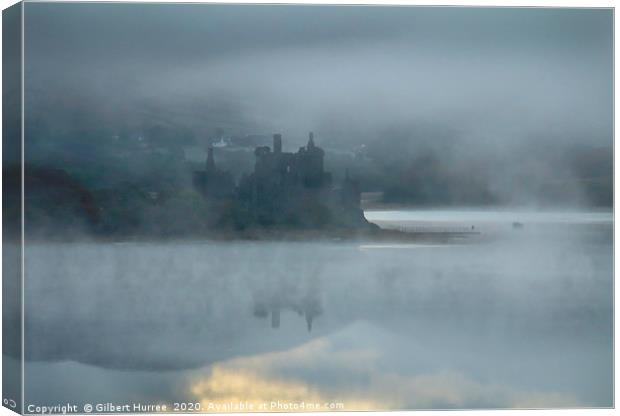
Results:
<point x="286" y="189"/>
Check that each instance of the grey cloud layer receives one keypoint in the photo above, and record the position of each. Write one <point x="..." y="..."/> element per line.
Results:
<point x="497" y="76"/>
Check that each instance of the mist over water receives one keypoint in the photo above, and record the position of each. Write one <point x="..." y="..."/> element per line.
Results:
<point x="424" y="106"/>
<point x="524" y="320"/>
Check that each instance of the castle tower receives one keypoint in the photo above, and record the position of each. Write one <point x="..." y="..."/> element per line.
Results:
<point x="210" y="160"/>
<point x="277" y="143"/>
<point x="311" y="141"/>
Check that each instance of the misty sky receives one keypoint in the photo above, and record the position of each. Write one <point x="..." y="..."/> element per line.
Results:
<point x="496" y="77"/>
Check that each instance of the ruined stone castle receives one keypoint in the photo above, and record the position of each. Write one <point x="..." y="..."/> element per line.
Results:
<point x="288" y="189"/>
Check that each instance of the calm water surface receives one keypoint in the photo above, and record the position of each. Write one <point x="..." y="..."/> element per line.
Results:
<point x="521" y="319"/>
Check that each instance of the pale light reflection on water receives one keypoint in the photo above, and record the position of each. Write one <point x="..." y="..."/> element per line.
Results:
<point x="521" y="320"/>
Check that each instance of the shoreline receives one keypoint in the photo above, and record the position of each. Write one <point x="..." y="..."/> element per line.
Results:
<point x="271" y="235"/>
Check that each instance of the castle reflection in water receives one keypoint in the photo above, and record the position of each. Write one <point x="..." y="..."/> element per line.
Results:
<point x="271" y="303"/>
